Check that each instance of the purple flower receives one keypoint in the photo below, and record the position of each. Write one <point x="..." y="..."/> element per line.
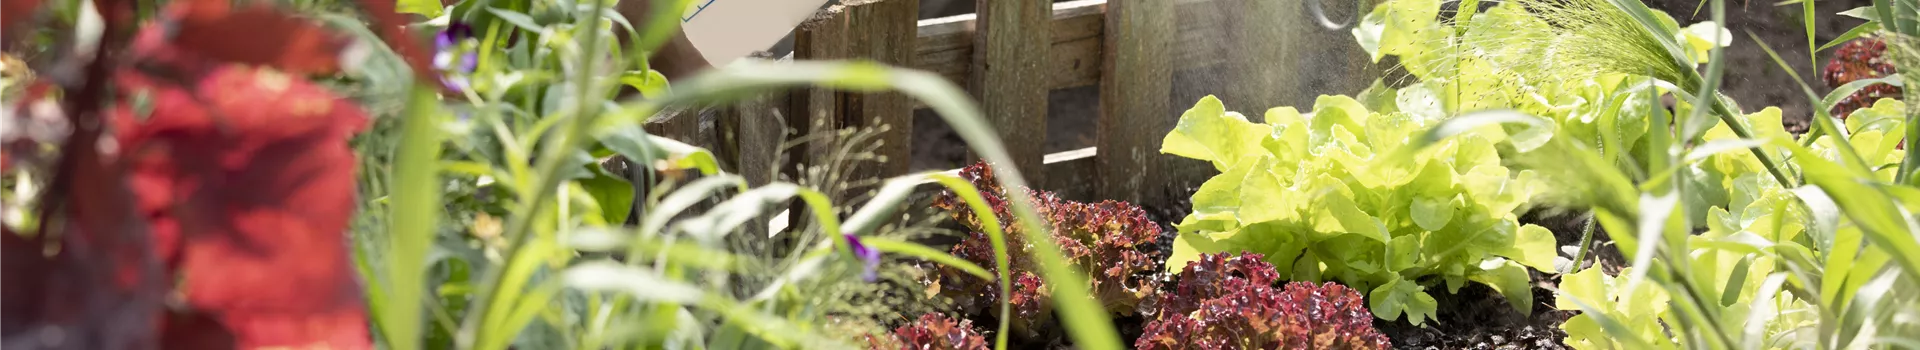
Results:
<point x="868" y="256"/>
<point x="453" y="60"/>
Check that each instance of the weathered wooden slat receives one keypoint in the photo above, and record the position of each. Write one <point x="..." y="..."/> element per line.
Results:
<point x="751" y="132"/>
<point x="681" y="124"/>
<point x="883" y="31"/>
<point x="815" y="111"/>
<point x="1135" y="84"/>
<point x="946" y="43"/>
<point x="1009" y="76"/>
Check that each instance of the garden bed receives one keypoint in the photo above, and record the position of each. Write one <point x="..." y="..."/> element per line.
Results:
<point x="1476" y="317"/>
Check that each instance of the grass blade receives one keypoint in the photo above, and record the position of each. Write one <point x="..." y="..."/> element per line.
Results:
<point x="923" y="252"/>
<point x="414" y="215"/>
<point x="1002" y="262"/>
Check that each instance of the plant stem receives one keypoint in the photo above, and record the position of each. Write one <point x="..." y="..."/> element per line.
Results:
<point x="1911" y="164"/>
<point x="1586" y="242"/>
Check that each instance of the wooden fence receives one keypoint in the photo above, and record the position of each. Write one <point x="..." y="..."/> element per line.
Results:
<point x="1012" y="53"/>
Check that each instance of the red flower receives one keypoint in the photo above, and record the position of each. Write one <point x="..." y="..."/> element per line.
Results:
<point x="247" y="183"/>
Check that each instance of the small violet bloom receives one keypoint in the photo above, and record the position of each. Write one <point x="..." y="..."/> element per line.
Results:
<point x="867" y="256"/>
<point x="454" y="61"/>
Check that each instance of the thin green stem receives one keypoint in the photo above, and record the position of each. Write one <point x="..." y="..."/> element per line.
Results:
<point x="1586" y="242"/>
<point x="1913" y="152"/>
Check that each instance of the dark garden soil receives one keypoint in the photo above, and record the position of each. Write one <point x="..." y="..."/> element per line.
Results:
<point x="1478" y="318"/>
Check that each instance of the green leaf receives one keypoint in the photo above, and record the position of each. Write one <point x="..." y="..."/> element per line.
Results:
<point x="1863" y="12"/>
<point x="1221" y="194"/>
<point x="1840" y="93"/>
<point x="1262" y="197"/>
<point x="641" y="283"/>
<point x="517" y="19"/>
<point x="1511" y="280"/>
<point x="1188" y="247"/>
<point x="1369" y="31"/>
<point x="1855" y="33"/>
<point x="414" y="213"/>
<point x="650" y="83"/>
<point x="1701" y="37"/>
<point x="633" y="142"/>
<point x="1431" y="213"/>
<point x="1403" y="253"/>
<point x="929" y="254"/>
<point x="1208" y="132"/>
<point x="614" y="195"/>
<point x="427" y="8"/>
<point x="1411" y="26"/>
<point x="1399" y="296"/>
<point x="1533" y="246"/>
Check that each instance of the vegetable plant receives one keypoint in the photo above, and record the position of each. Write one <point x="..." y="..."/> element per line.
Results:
<point x="1112" y="241"/>
<point x="931" y="331"/>
<point x="1343" y="194"/>
<point x="1229" y="302"/>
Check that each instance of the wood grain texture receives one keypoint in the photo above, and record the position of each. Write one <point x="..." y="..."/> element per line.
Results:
<point x="1136" y="80"/>
<point x="815" y="111"/>
<point x="946" y="44"/>
<point x="1009" y="76"/>
<point x="883" y="31"/>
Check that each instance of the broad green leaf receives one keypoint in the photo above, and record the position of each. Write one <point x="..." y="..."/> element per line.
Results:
<point x="1330" y="111"/>
<point x="614" y="196"/>
<point x="1378" y="98"/>
<point x="1533" y="247"/>
<point x="1369" y="30"/>
<point x="1188" y="247"/>
<point x="1590" y="284"/>
<point x="1398" y="296"/>
<point x="1701" y="37"/>
<point x="1209" y="132"/>
<point x="1431" y="213"/>
<point x="1403" y="252"/>
<point x="1222" y="193"/>
<point x="1262" y="197"/>
<point x="1410" y="24"/>
<point x="650" y="83"/>
<point x="1887" y="115"/>
<point x="1511" y="280"/>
